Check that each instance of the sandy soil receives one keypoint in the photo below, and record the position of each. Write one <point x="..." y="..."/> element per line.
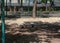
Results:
<point x="22" y="20"/>
<point x="55" y="40"/>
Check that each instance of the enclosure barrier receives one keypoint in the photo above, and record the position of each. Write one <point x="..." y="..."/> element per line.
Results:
<point x="3" y="20"/>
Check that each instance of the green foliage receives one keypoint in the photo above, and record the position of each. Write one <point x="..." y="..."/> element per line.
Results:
<point x="44" y="1"/>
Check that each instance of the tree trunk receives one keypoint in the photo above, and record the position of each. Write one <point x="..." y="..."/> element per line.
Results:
<point x="28" y="5"/>
<point x="10" y="6"/>
<point x="46" y="5"/>
<point x="10" y="10"/>
<point x="21" y="5"/>
<point x="14" y="9"/>
<point x="18" y="1"/>
<point x="34" y="8"/>
<point x="21" y="2"/>
<point x="10" y="2"/>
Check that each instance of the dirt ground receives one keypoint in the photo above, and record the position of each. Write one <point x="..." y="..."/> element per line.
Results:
<point x="55" y="40"/>
<point x="22" y="20"/>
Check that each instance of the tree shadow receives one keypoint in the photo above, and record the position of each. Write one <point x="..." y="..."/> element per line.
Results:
<point x="22" y="38"/>
<point x="30" y="27"/>
<point x="34" y="26"/>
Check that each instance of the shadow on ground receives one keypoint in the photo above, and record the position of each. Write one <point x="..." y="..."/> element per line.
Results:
<point x="15" y="32"/>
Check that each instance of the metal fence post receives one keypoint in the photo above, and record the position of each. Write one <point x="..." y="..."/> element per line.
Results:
<point x="3" y="21"/>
